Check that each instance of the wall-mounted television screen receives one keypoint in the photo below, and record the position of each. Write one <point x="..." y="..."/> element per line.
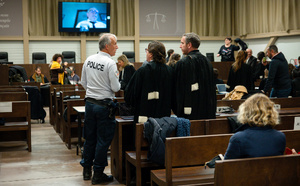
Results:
<point x="83" y="17"/>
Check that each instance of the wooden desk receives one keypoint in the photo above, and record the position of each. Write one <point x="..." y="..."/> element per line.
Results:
<point x="80" y="110"/>
<point x="122" y="141"/>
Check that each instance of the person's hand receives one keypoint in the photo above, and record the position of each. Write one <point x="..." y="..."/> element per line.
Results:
<point x="294" y="151"/>
<point x="218" y="55"/>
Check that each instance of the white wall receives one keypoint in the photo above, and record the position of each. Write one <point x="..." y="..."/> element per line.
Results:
<point x="14" y="49"/>
<point x="92" y="47"/>
<point x="54" y="47"/>
<point x="290" y="46"/>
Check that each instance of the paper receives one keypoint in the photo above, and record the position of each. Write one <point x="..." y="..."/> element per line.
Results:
<point x="5" y="106"/>
<point x="297" y="123"/>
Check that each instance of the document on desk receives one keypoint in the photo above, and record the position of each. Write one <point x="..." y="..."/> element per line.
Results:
<point x="297" y="123"/>
<point x="5" y="107"/>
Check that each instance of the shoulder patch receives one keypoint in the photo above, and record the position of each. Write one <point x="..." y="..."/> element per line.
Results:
<point x="117" y="73"/>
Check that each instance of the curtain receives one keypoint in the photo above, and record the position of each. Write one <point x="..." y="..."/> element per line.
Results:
<point x="43" y="17"/>
<point x="243" y="17"/>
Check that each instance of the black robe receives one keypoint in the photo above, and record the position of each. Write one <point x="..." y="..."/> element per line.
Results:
<point x="153" y="77"/>
<point x="190" y="70"/>
<point x="242" y="76"/>
<point x="128" y="71"/>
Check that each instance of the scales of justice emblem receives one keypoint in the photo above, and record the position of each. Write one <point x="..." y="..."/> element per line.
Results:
<point x="156" y="16"/>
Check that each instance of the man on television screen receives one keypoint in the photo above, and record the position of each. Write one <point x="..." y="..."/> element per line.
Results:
<point x="91" y="22"/>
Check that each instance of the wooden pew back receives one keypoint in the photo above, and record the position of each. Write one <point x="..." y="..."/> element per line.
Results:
<point x="13" y="96"/>
<point x="275" y="170"/>
<point x="17" y="125"/>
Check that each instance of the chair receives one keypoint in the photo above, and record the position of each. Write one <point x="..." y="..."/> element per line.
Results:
<point x="210" y="56"/>
<point x="130" y="55"/>
<point x="69" y="56"/>
<point x="39" y="58"/>
<point x="3" y="56"/>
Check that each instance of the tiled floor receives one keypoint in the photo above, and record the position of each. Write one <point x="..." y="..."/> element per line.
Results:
<point x="49" y="163"/>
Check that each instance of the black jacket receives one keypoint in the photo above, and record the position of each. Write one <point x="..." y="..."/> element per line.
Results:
<point x="278" y="77"/>
<point x="196" y="71"/>
<point x="296" y="87"/>
<point x="125" y="75"/>
<point x="241" y="77"/>
<point x="153" y="78"/>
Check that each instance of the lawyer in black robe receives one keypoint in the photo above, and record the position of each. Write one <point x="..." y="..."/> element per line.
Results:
<point x="150" y="89"/>
<point x="195" y="88"/>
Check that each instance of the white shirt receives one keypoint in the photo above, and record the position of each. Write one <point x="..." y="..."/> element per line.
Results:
<point x="100" y="76"/>
<point x="86" y="23"/>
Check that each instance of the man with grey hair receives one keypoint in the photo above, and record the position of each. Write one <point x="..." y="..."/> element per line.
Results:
<point x="278" y="78"/>
<point x="100" y="79"/>
<point x="92" y="22"/>
<point x="195" y="88"/>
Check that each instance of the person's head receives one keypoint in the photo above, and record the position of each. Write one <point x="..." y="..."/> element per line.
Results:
<point x="156" y="52"/>
<point x="216" y="73"/>
<point x="258" y="110"/>
<point x="228" y="40"/>
<point x="72" y="70"/>
<point x="173" y="59"/>
<point x="240" y="59"/>
<point x="189" y="42"/>
<point x="57" y="57"/>
<point x="249" y="52"/>
<point x="296" y="73"/>
<point x="272" y="50"/>
<point x="299" y="60"/>
<point x="38" y="70"/>
<point x="170" y="52"/>
<point x="260" y="55"/>
<point x="108" y="43"/>
<point x="92" y="14"/>
<point x="291" y="68"/>
<point x="123" y="61"/>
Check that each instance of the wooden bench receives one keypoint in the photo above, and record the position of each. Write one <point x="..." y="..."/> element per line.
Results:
<point x="54" y="93"/>
<point x="138" y="158"/>
<point x="274" y="170"/>
<point x="182" y="167"/>
<point x="13" y="96"/>
<point x="184" y="152"/>
<point x="60" y="106"/>
<point x="17" y="125"/>
<point x="13" y="89"/>
<point x="71" y="126"/>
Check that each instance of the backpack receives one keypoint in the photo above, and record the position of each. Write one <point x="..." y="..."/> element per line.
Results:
<point x="17" y="74"/>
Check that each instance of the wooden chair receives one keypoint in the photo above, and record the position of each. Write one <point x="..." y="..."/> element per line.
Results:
<point x="13" y="96"/>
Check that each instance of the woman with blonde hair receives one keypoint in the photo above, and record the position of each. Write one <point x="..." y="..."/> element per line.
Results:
<point x="126" y="71"/>
<point x="240" y="73"/>
<point x="258" y="139"/>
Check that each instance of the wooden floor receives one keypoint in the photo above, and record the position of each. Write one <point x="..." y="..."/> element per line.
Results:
<point x="49" y="163"/>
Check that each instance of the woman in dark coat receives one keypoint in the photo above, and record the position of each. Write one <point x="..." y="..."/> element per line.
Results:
<point x="126" y="71"/>
<point x="240" y="73"/>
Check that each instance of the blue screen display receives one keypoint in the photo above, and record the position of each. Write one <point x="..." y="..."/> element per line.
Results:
<point x="84" y="17"/>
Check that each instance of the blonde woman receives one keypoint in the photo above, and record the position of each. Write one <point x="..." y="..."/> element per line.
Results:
<point x="240" y="73"/>
<point x="258" y="139"/>
<point x="126" y="71"/>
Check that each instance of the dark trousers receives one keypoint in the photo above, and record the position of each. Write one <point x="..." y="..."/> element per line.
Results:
<point x="98" y="132"/>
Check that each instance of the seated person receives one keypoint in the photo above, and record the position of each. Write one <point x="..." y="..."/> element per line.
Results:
<point x="216" y="74"/>
<point x="236" y="94"/>
<point x="258" y="138"/>
<point x="92" y="21"/>
<point x="73" y="78"/>
<point x="39" y="77"/>
<point x="296" y="83"/>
